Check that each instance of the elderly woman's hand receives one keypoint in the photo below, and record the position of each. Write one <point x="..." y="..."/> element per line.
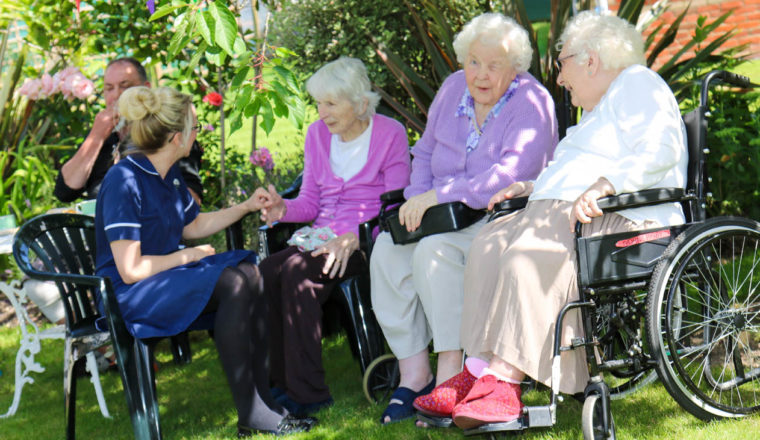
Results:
<point x="411" y="212"/>
<point x="339" y="251"/>
<point x="273" y="207"/>
<point x="517" y="189"/>
<point x="585" y="207"/>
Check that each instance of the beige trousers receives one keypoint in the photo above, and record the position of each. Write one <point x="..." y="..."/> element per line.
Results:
<point x="520" y="272"/>
<point x="417" y="290"/>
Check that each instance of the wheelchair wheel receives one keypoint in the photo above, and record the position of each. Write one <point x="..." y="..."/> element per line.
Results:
<point x="620" y="331"/>
<point x="592" y="421"/>
<point x="381" y="378"/>
<point x="703" y="318"/>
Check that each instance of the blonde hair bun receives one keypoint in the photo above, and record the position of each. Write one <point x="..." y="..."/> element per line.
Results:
<point x="136" y="103"/>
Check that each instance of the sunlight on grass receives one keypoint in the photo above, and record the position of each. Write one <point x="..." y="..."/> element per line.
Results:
<point x="195" y="404"/>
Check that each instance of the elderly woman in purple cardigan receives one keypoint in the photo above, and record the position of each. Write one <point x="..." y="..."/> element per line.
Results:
<point x="351" y="156"/>
<point x="490" y="124"/>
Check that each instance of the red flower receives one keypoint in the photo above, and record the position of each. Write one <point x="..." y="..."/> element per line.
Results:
<point x="213" y="98"/>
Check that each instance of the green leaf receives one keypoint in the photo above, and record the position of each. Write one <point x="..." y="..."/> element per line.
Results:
<point x="280" y="108"/>
<point x="243" y="98"/>
<point x="205" y="23"/>
<point x="197" y="56"/>
<point x="165" y="10"/>
<point x="225" y="29"/>
<point x="254" y="106"/>
<point x="240" y="76"/>
<point x="239" y="46"/>
<point x="267" y="118"/>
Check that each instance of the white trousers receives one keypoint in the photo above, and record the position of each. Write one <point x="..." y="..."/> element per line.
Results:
<point x="417" y="290"/>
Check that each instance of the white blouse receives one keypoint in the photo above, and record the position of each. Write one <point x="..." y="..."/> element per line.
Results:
<point x="634" y="137"/>
<point x="348" y="158"/>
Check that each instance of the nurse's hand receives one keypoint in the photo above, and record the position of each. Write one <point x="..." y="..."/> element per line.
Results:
<point x="585" y="207"/>
<point x="517" y="189"/>
<point x="258" y="199"/>
<point x="273" y="207"/>
<point x="200" y="252"/>
<point x="411" y="212"/>
<point x="339" y="251"/>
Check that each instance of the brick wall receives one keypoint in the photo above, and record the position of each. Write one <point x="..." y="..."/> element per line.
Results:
<point x="745" y="18"/>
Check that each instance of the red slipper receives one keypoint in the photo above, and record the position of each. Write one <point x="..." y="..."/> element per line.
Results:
<point x="489" y="401"/>
<point x="443" y="399"/>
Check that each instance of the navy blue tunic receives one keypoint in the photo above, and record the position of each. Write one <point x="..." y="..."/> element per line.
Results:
<point x="135" y="203"/>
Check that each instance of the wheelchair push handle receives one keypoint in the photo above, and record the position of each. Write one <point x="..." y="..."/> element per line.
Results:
<point x="731" y="78"/>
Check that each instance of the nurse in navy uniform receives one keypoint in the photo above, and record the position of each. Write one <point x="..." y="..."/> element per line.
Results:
<point x="144" y="210"/>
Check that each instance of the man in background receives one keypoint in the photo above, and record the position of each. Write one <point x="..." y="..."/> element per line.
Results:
<point x="82" y="174"/>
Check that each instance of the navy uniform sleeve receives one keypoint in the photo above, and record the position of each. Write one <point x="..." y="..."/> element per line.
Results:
<point x="121" y="200"/>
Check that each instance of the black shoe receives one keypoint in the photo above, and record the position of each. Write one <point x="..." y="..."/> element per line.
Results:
<point x="303" y="409"/>
<point x="289" y="424"/>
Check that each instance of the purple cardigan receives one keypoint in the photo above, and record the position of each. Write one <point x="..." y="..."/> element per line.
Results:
<point x="514" y="146"/>
<point x="328" y="200"/>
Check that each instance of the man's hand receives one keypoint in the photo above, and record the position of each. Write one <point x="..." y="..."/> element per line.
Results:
<point x="411" y="212"/>
<point x="517" y="189"/>
<point x="105" y="122"/>
<point x="585" y="207"/>
<point x="339" y="251"/>
<point x="273" y="207"/>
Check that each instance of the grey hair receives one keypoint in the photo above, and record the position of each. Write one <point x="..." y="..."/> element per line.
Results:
<point x="617" y="42"/>
<point x="345" y="78"/>
<point x="496" y="29"/>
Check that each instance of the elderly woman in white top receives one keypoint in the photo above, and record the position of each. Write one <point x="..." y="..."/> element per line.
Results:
<point x="521" y="268"/>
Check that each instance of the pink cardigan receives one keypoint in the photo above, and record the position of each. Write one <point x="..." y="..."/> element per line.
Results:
<point x="328" y="200"/>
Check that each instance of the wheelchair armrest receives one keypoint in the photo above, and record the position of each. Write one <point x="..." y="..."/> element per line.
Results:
<point x="642" y="198"/>
<point x="366" y="239"/>
<point x="507" y="206"/>
<point x="444" y="217"/>
<point x="395" y="196"/>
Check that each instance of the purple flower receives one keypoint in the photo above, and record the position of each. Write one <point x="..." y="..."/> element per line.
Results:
<point x="262" y="158"/>
<point x="151" y="4"/>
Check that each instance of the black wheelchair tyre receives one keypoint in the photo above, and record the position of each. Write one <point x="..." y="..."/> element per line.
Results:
<point x="381" y="378"/>
<point x="703" y="318"/>
<point x="592" y="422"/>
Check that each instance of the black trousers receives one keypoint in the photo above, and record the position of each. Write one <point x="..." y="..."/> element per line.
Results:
<point x="296" y="290"/>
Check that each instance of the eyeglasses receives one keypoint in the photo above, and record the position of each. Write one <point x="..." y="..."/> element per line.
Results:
<point x="558" y="62"/>
<point x="197" y="127"/>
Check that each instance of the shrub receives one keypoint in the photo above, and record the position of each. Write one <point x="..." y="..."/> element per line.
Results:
<point x="734" y="159"/>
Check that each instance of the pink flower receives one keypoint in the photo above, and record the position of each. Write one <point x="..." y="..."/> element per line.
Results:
<point x="262" y="158"/>
<point x="208" y="127"/>
<point x="83" y="88"/>
<point x="48" y="86"/>
<point x="213" y="98"/>
<point x="30" y="89"/>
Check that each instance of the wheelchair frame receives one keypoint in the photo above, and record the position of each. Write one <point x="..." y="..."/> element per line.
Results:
<point x="675" y="278"/>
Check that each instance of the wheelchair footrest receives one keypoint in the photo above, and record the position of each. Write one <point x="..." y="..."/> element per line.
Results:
<point x="533" y="417"/>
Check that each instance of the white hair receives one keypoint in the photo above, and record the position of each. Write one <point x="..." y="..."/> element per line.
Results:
<point x="617" y="41"/>
<point x="496" y="29"/>
<point x="345" y="78"/>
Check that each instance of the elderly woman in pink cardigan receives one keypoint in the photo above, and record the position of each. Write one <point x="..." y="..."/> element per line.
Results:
<point x="351" y="156"/>
<point x="490" y="124"/>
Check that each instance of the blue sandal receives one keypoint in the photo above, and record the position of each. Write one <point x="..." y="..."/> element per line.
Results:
<point x="405" y="409"/>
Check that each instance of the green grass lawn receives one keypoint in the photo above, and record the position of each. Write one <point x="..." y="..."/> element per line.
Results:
<point x="195" y="404"/>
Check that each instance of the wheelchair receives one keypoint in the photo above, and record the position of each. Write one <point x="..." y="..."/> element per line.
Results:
<point x="679" y="303"/>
